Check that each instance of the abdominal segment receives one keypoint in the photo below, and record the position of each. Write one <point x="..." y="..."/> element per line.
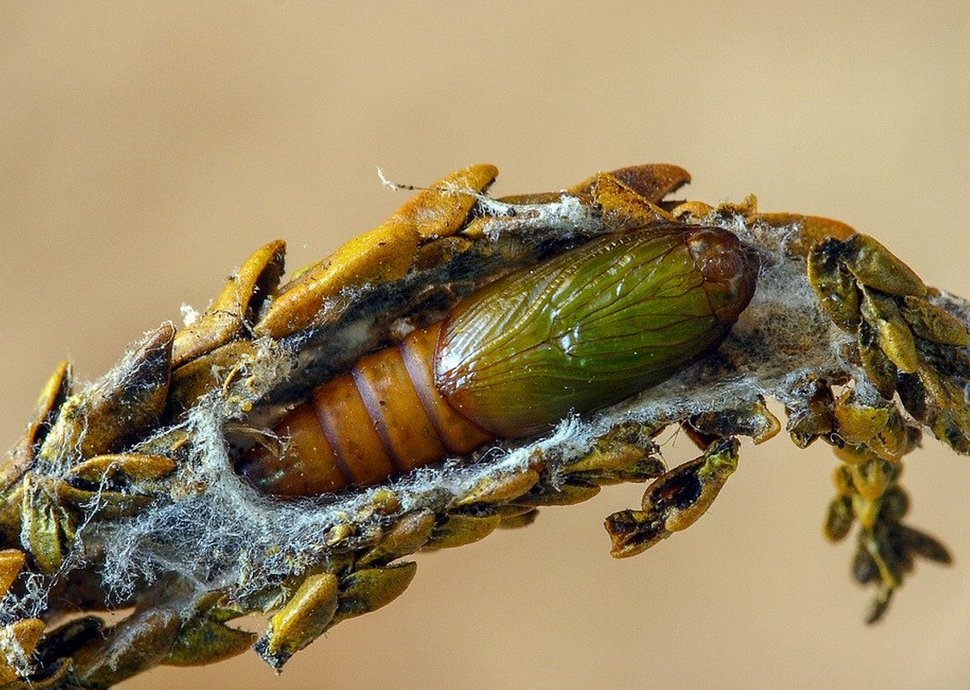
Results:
<point x="383" y="419"/>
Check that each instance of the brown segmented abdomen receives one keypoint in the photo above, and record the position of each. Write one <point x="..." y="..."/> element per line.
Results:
<point x="383" y="419"/>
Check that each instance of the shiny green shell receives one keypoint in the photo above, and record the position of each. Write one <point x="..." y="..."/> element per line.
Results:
<point x="592" y="326"/>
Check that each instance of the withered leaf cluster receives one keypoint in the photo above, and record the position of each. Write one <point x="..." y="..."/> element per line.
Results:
<point x="122" y="494"/>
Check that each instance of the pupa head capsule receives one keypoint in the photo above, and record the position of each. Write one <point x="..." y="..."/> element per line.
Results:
<point x="729" y="271"/>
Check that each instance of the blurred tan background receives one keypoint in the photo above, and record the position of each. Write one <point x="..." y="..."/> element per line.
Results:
<point x="146" y="149"/>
